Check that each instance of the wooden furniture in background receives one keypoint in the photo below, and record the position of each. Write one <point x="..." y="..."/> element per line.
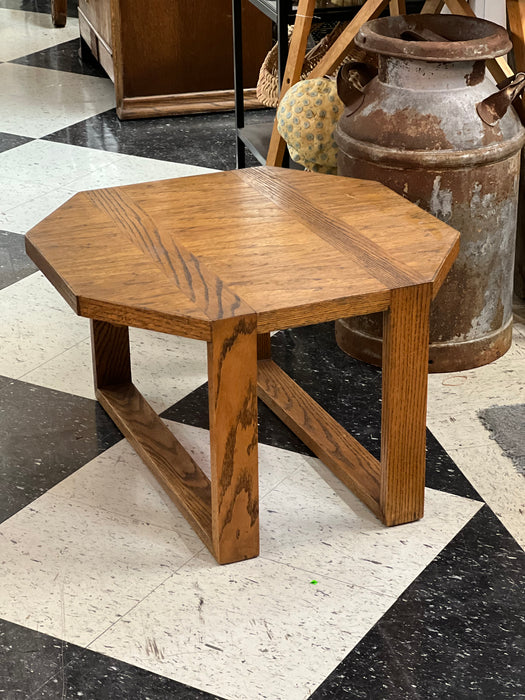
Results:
<point x="59" y="12"/>
<point x="172" y="56"/>
<point x="227" y="258"/>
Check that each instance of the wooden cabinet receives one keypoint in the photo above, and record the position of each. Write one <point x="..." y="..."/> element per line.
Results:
<point x="172" y="56"/>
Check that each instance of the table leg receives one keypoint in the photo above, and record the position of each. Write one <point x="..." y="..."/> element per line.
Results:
<point x="232" y="387"/>
<point x="264" y="346"/>
<point x="110" y="348"/>
<point x="403" y="418"/>
<point x="59" y="12"/>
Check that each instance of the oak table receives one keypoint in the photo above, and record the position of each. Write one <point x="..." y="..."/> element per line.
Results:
<point x="227" y="258"/>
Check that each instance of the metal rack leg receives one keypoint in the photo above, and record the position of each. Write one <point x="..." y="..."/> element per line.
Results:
<point x="238" y="81"/>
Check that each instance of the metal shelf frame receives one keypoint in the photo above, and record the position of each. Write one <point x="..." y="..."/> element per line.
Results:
<point x="281" y="13"/>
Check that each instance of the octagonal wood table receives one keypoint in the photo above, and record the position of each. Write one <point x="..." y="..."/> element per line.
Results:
<point x="227" y="258"/>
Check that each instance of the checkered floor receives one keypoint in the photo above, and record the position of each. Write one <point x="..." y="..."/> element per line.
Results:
<point x="105" y="590"/>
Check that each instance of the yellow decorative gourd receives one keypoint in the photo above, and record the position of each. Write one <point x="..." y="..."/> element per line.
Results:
<point x="306" y="119"/>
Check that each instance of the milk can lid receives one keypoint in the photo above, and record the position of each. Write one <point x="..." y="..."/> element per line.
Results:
<point x="436" y="38"/>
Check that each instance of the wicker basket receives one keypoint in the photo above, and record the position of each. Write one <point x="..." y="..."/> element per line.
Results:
<point x="268" y="86"/>
<point x="341" y="3"/>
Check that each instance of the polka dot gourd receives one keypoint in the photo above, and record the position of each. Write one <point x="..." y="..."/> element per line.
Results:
<point x="306" y="119"/>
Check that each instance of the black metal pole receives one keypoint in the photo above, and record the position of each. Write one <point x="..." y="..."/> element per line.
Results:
<point x="240" y="150"/>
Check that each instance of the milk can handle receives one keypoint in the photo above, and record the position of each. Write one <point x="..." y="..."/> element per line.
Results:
<point x="493" y="108"/>
<point x="352" y="94"/>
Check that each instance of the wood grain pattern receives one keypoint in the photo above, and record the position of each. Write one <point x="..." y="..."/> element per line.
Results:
<point x="516" y="17"/>
<point x="228" y="258"/>
<point x="110" y="350"/>
<point x="264" y="346"/>
<point x="182" y="479"/>
<point x="167" y="48"/>
<point x="297" y="248"/>
<point x="200" y="284"/>
<point x="93" y="41"/>
<point x="345" y="238"/>
<point x="341" y="453"/>
<point x="232" y="392"/>
<point x="309" y="313"/>
<point x="403" y="417"/>
<point x="183" y="103"/>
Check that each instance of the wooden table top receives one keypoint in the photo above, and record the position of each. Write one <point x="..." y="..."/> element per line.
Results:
<point x="293" y="247"/>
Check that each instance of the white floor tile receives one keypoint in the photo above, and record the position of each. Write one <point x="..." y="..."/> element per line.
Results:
<point x="52" y="164"/>
<point x="37" y="101"/>
<point x="165" y="368"/>
<point x="39" y="176"/>
<point x="501" y="382"/>
<point x="454" y="402"/>
<point x="494" y="476"/>
<point x="37" y="325"/>
<point x="245" y="632"/>
<point x="314" y="522"/>
<point x="119" y="482"/>
<point x="23" y="33"/>
<point x="464" y="429"/>
<point x="33" y="207"/>
<point x="128" y="170"/>
<point x="82" y="555"/>
<point x="71" y="571"/>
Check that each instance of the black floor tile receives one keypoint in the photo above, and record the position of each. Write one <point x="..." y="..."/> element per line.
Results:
<point x="45" y="435"/>
<point x="8" y="141"/>
<point x="206" y="140"/>
<point x="14" y="263"/>
<point x="29" y="659"/>
<point x="91" y="675"/>
<point x="35" y="665"/>
<point x="457" y="633"/>
<point x="38" y="6"/>
<point x="193" y="410"/>
<point x="64" y="57"/>
<point x="348" y="389"/>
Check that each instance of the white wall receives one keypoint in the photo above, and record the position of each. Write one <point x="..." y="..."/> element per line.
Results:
<point x="493" y="10"/>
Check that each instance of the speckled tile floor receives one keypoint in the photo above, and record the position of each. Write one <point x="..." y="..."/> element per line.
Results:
<point x="106" y="592"/>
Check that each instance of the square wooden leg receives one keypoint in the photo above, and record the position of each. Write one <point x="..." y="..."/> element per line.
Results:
<point x="232" y="373"/>
<point x="110" y="349"/>
<point x="403" y="418"/>
<point x="59" y="12"/>
<point x="224" y="511"/>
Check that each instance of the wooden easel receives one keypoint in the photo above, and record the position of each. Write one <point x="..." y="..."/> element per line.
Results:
<point x="371" y="9"/>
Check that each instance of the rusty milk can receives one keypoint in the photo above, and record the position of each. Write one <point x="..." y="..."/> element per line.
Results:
<point x="435" y="129"/>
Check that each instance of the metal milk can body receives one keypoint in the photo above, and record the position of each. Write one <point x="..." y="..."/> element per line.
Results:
<point x="416" y="128"/>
